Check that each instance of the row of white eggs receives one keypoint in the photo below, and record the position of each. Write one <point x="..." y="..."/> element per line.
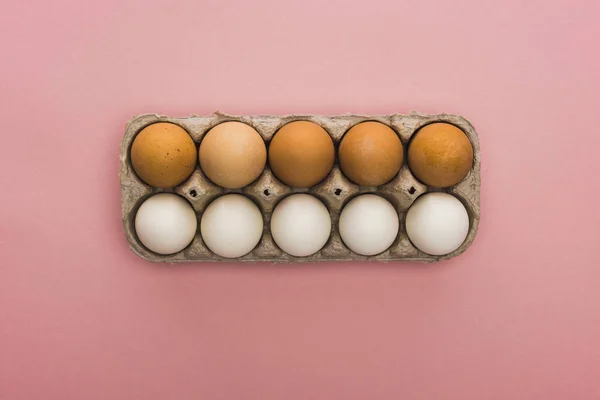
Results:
<point x="232" y="225"/>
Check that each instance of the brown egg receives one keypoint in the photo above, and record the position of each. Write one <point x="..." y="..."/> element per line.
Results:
<point x="370" y="154"/>
<point x="163" y="155"/>
<point x="301" y="154"/>
<point x="232" y="154"/>
<point x="440" y="155"/>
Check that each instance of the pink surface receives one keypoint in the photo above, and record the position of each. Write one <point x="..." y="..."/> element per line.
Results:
<point x="516" y="317"/>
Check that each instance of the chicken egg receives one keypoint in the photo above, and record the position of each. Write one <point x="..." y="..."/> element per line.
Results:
<point x="300" y="225"/>
<point x="231" y="226"/>
<point x="370" y="154"/>
<point x="369" y="224"/>
<point x="440" y="155"/>
<point x="232" y="154"/>
<point x="163" y="155"/>
<point x="437" y="223"/>
<point x="301" y="154"/>
<point x="165" y="223"/>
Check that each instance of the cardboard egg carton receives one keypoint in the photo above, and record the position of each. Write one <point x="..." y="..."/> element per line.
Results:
<point x="335" y="191"/>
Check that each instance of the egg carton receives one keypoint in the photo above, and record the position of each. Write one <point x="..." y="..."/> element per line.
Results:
<point x="266" y="191"/>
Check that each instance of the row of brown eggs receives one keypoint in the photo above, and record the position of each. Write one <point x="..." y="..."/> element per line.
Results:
<point x="301" y="154"/>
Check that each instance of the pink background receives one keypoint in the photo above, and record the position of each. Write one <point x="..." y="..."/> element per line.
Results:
<point x="516" y="317"/>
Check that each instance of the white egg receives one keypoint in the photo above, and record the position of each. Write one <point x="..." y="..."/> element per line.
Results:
<point x="231" y="226"/>
<point x="369" y="224"/>
<point x="437" y="223"/>
<point x="300" y="225"/>
<point x="166" y="223"/>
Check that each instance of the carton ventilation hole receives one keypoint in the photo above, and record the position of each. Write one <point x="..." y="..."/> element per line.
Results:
<point x="337" y="191"/>
<point x="266" y="192"/>
<point x="193" y="193"/>
<point x="412" y="190"/>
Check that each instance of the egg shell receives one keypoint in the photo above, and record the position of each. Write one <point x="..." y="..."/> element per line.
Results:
<point x="370" y="154"/>
<point x="301" y="154"/>
<point x="440" y="155"/>
<point x="165" y="223"/>
<point x="163" y="155"/>
<point x="369" y="224"/>
<point x="300" y="225"/>
<point x="232" y="154"/>
<point x="231" y="226"/>
<point x="437" y="223"/>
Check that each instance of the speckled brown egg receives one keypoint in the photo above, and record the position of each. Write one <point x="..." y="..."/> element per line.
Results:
<point x="232" y="154"/>
<point x="370" y="154"/>
<point x="301" y="154"/>
<point x="440" y="155"/>
<point x="163" y="155"/>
